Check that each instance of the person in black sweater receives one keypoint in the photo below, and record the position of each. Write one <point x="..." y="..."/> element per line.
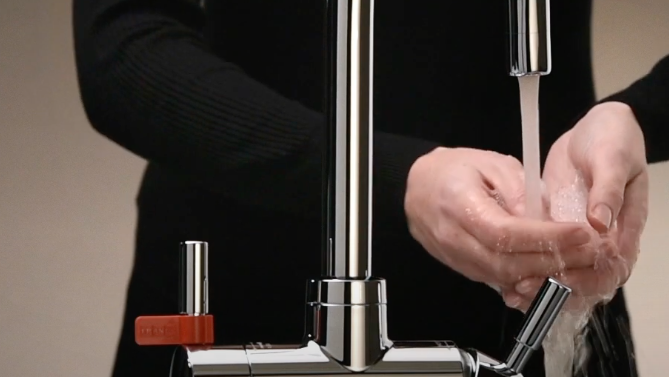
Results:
<point x="225" y="103"/>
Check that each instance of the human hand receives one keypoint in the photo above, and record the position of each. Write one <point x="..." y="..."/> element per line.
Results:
<point x="465" y="207"/>
<point x="605" y="153"/>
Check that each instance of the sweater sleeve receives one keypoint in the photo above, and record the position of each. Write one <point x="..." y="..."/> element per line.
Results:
<point x="149" y="82"/>
<point x="649" y="99"/>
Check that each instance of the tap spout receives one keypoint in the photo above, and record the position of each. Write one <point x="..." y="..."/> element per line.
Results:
<point x="350" y="34"/>
<point x="529" y="37"/>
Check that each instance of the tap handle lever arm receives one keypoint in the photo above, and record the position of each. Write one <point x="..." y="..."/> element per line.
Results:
<point x="538" y="321"/>
<point x="542" y="313"/>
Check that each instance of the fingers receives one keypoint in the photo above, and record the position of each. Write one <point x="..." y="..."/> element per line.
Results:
<point x="515" y="300"/>
<point x="460" y="251"/>
<point x="584" y="256"/>
<point x="463" y="252"/>
<point x="599" y="283"/>
<point x="575" y="303"/>
<point x="509" y="269"/>
<point x="633" y="216"/>
<point x="589" y="285"/>
<point x="480" y="212"/>
<point x="609" y="174"/>
<point x="500" y="231"/>
<point x="507" y="179"/>
<point x="512" y="268"/>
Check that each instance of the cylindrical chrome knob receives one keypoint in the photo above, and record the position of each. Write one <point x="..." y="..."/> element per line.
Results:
<point x="193" y="278"/>
<point x="539" y="319"/>
<point x="529" y="37"/>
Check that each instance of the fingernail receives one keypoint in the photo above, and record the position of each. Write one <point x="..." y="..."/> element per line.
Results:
<point x="603" y="214"/>
<point x="524" y="287"/>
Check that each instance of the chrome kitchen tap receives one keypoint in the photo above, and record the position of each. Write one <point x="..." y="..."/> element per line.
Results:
<point x="346" y="327"/>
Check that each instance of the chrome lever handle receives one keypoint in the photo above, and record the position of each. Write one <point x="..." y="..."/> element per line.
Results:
<point x="538" y="321"/>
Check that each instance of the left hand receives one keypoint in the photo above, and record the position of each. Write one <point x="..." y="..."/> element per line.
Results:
<point x="606" y="150"/>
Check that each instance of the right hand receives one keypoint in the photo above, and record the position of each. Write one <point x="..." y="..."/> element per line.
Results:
<point x="466" y="207"/>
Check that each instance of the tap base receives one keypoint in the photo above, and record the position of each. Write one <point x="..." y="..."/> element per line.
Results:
<point x="419" y="359"/>
<point x="347" y="319"/>
<point x="174" y="330"/>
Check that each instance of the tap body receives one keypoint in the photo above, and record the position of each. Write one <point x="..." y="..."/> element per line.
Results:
<point x="346" y="328"/>
<point x="333" y="346"/>
<point x="424" y="358"/>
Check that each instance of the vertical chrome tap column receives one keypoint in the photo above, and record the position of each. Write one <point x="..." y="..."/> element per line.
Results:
<point x="346" y="308"/>
<point x="349" y="63"/>
<point x="529" y="37"/>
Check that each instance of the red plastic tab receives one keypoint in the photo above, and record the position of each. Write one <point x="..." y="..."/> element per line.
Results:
<point x="174" y="330"/>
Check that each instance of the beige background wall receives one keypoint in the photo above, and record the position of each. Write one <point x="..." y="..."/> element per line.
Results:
<point x="67" y="212"/>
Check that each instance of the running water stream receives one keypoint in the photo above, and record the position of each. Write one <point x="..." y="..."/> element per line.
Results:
<point x="560" y="345"/>
<point x="566" y="348"/>
<point x="529" y="109"/>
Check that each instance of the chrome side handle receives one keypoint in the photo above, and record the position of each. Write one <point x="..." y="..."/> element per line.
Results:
<point x="539" y="319"/>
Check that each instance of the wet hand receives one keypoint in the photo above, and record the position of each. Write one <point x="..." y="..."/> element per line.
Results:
<point x="605" y="152"/>
<point x="465" y="207"/>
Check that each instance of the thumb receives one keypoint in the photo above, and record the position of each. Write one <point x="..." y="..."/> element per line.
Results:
<point x="607" y="193"/>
